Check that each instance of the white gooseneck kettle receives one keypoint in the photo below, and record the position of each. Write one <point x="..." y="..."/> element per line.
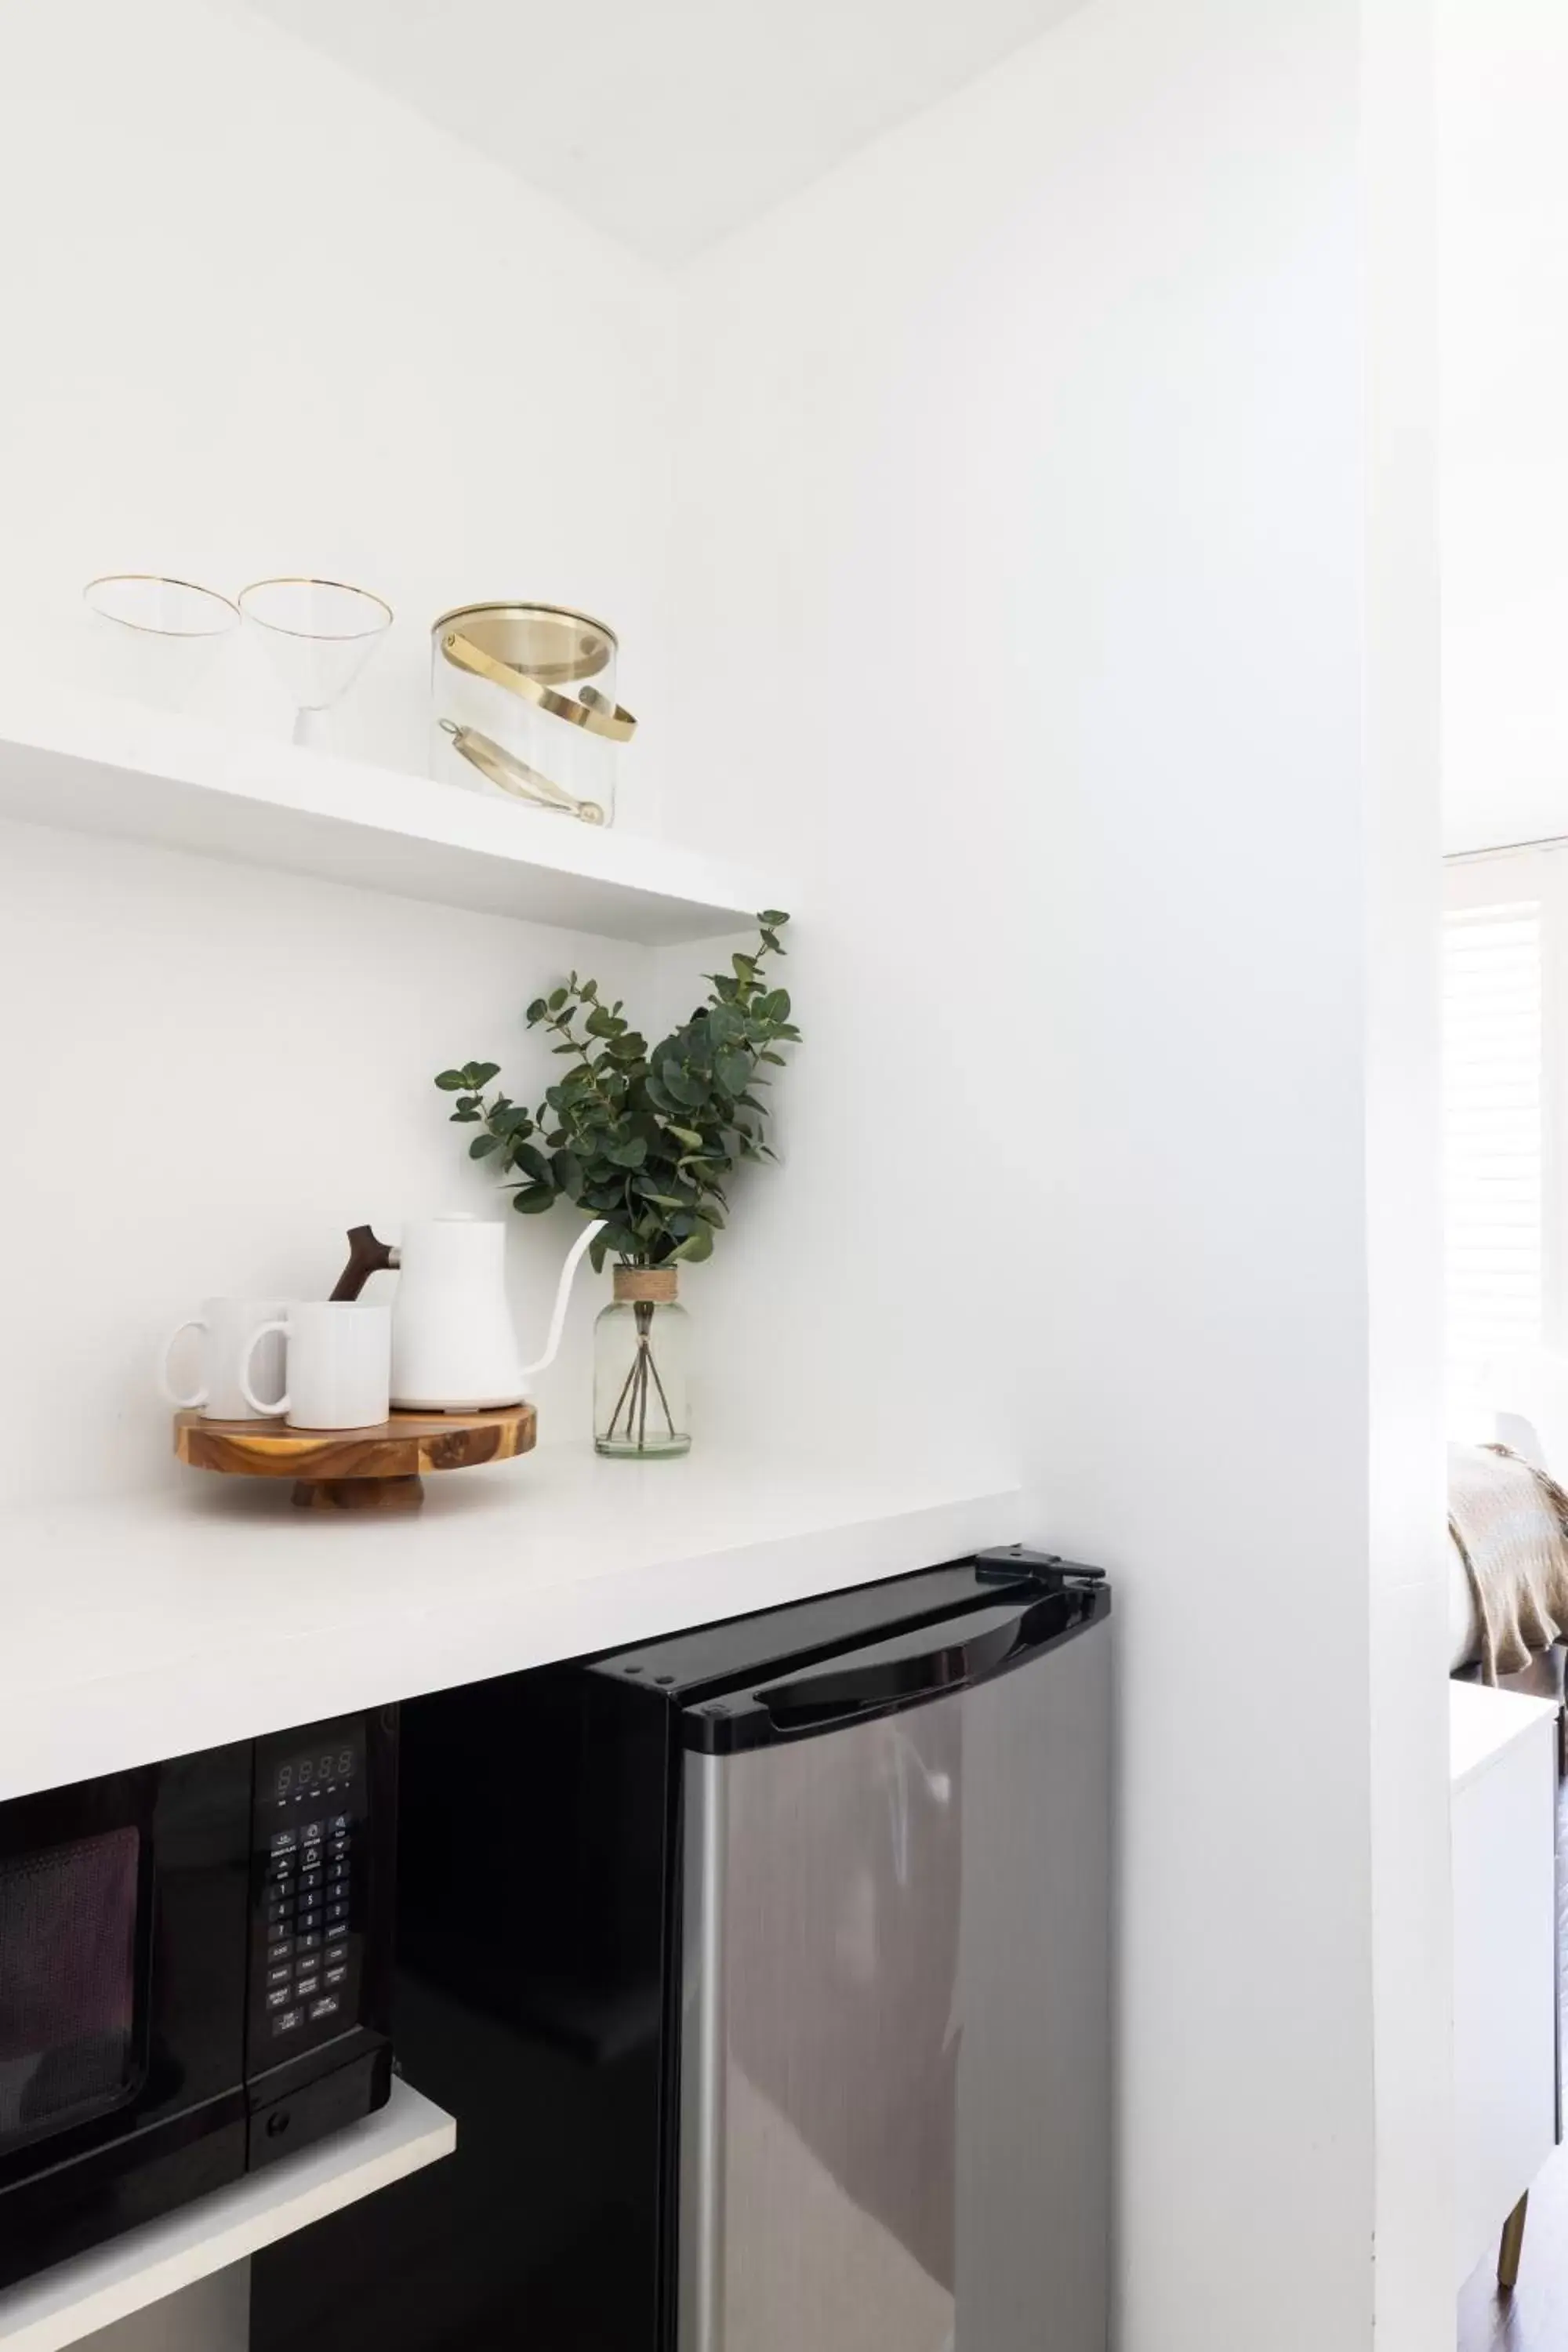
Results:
<point x="452" y="1346"/>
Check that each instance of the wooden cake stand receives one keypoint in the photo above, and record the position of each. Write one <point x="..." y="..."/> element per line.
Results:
<point x="356" y="1469"/>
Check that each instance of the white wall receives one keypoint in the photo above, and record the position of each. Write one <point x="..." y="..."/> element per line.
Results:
<point x="261" y="319"/>
<point x="1503" y="214"/>
<point x="1410" y="1855"/>
<point x="1027" y="553"/>
<point x="212" y="1072"/>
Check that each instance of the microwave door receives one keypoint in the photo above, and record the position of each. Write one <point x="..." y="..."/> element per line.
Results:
<point x="123" y="1911"/>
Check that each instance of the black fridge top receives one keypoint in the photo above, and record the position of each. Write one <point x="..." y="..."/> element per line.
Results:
<point x="786" y="1674"/>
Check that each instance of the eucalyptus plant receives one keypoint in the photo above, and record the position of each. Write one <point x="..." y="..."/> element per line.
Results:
<point x="643" y="1136"/>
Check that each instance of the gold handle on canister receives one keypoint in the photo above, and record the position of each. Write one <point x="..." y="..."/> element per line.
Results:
<point x="595" y="711"/>
<point x="515" y="776"/>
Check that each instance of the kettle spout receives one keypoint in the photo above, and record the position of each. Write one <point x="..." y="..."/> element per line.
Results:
<point x="563" y="1292"/>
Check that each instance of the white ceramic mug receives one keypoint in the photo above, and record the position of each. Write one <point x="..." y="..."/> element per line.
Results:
<point x="228" y="1326"/>
<point x="339" y="1370"/>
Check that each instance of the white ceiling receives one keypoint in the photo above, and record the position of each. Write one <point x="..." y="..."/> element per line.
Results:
<point x="668" y="122"/>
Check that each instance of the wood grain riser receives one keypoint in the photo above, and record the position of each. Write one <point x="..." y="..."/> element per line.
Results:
<point x="356" y="1469"/>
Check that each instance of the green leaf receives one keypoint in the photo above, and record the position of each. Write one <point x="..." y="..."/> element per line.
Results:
<point x="464" y="1117"/>
<point x="628" y="1154"/>
<point x="689" y="1136"/>
<point x="695" y="1247"/>
<point x="480" y="1074"/>
<point x="555" y="1000"/>
<point x="733" y="1071"/>
<point x="683" y="1087"/>
<point x="532" y="1199"/>
<point x="567" y="1170"/>
<point x="531" y="1161"/>
<point x="537" y="1011"/>
<point x="771" y="920"/>
<point x="452" y="1082"/>
<point x="601" y="1021"/>
<point x="483" y="1145"/>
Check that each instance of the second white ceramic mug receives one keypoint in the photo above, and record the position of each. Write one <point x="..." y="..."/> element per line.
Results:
<point x="228" y="1326"/>
<point x="339" y="1365"/>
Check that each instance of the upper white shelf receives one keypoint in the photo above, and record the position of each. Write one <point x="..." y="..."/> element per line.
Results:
<point x="93" y="765"/>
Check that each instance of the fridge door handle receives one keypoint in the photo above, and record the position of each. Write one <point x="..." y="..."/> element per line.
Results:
<point x="926" y="1663"/>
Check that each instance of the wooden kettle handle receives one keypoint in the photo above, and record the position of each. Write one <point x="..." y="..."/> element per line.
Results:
<point x="366" y="1257"/>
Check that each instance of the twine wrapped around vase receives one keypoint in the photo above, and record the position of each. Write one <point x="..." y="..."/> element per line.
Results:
<point x="646" y="1286"/>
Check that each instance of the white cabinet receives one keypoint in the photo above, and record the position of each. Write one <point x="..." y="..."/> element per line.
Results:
<point x="1503" y="1770"/>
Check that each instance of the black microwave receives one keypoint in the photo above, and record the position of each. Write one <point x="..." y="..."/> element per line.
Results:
<point x="195" y="1976"/>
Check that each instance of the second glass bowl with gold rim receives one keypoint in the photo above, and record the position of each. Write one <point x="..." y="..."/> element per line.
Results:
<point x="319" y="635"/>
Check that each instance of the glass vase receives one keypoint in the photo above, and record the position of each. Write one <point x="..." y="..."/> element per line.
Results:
<point x="639" y="1366"/>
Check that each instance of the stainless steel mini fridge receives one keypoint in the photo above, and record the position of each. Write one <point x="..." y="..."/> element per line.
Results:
<point x="766" y="1970"/>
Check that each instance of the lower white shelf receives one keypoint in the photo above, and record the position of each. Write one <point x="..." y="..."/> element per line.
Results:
<point x="77" y="2298"/>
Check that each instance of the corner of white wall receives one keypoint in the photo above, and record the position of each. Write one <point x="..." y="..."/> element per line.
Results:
<point x="1412" y="1911"/>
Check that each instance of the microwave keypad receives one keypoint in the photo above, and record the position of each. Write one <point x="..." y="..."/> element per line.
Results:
<point x="306" y="1916"/>
<point x="311" y="1870"/>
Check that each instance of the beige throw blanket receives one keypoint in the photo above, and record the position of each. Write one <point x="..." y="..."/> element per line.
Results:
<point x="1510" y="1523"/>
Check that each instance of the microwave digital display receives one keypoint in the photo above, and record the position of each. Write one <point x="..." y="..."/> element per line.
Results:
<point x="313" y="1772"/>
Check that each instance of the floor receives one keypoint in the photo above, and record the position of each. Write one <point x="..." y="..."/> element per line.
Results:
<point x="1534" y="2318"/>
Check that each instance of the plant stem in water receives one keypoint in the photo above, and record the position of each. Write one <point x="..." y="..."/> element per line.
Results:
<point x="668" y="1416"/>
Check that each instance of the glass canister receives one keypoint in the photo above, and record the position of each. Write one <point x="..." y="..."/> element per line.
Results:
<point x="523" y="701"/>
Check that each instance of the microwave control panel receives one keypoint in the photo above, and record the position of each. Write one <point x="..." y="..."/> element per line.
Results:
<point x="309" y="1873"/>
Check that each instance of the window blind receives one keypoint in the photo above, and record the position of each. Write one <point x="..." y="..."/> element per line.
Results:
<point x="1494" y="1135"/>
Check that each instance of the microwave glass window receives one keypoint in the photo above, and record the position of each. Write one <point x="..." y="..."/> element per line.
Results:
<point x="68" y="1980"/>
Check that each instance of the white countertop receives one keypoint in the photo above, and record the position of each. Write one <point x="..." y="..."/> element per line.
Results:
<point x="1483" y="1725"/>
<point x="150" y="1627"/>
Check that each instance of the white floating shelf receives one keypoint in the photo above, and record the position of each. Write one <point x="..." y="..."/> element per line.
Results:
<point x="77" y="2298"/>
<point x="88" y="764"/>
